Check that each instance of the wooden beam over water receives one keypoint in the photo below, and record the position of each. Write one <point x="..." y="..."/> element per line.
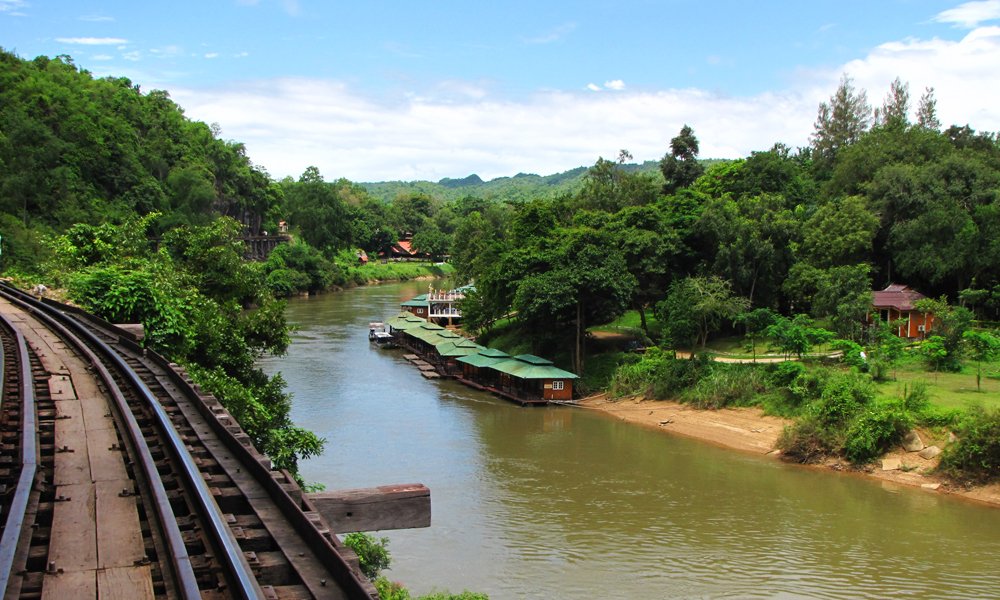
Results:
<point x="400" y="506"/>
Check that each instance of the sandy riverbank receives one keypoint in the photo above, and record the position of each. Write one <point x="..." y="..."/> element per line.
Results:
<point x="750" y="430"/>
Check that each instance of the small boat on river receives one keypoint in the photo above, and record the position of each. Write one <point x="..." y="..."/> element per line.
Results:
<point x="379" y="336"/>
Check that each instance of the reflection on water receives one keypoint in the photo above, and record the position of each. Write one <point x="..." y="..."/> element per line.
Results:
<point x="565" y="503"/>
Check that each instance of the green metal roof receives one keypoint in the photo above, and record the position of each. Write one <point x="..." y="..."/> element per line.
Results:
<point x="404" y="321"/>
<point x="480" y="360"/>
<point x="454" y="349"/>
<point x="494" y="353"/>
<point x="526" y="370"/>
<point x="534" y="360"/>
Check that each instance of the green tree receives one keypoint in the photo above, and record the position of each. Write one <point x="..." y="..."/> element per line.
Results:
<point x="950" y="325"/>
<point x="756" y="322"/>
<point x="981" y="346"/>
<point x="697" y="306"/>
<point x="839" y="123"/>
<point x="680" y="167"/>
<point x="797" y="335"/>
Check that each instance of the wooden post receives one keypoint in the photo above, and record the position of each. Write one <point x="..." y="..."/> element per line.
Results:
<point x="401" y="506"/>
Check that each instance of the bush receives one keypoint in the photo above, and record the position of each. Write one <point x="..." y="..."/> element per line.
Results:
<point x="784" y="373"/>
<point x="808" y="440"/>
<point x="875" y="430"/>
<point x="976" y="455"/>
<point x="657" y="374"/>
<point x="727" y="385"/>
<point x="843" y="396"/>
<point x="373" y="553"/>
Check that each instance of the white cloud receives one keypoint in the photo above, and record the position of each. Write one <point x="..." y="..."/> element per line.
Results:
<point x="132" y="56"/>
<point x="211" y="55"/>
<point x="457" y="128"/>
<point x="614" y="84"/>
<point x="92" y="41"/>
<point x="243" y="54"/>
<point x="970" y="14"/>
<point x="12" y="6"/>
<point x="97" y="18"/>
<point x="553" y="35"/>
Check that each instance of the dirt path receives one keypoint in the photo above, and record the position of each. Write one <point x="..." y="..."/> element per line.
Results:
<point x="750" y="430"/>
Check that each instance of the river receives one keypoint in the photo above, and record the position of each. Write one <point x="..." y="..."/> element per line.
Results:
<point x="565" y="503"/>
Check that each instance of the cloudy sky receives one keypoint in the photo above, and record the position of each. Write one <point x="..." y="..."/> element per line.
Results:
<point x="413" y="89"/>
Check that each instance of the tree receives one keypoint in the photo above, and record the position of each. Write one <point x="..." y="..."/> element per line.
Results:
<point x="585" y="283"/>
<point x="892" y="115"/>
<point x="840" y="123"/>
<point x="982" y="346"/>
<point x="756" y="322"/>
<point x="697" y="306"/>
<point x="950" y="325"/>
<point x="798" y="334"/>
<point x="927" y="111"/>
<point x="680" y="168"/>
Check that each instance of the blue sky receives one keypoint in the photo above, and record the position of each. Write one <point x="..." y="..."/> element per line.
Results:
<point x="424" y="90"/>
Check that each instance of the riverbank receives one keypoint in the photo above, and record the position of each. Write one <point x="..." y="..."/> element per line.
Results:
<point x="750" y="430"/>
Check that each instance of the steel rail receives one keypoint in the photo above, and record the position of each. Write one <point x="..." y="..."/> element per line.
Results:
<point x="184" y="577"/>
<point x="29" y="462"/>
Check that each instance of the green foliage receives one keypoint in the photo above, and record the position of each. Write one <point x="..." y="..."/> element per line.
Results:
<point x="728" y="385"/>
<point x="875" y="430"/>
<point x="808" y="440"/>
<point x="373" y="553"/>
<point x="982" y="346"/>
<point x="843" y="397"/>
<point x="797" y="335"/>
<point x="697" y="306"/>
<point x="852" y="352"/>
<point x="976" y="455"/>
<point x="658" y="375"/>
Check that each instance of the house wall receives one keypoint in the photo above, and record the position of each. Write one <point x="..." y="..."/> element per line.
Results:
<point x="420" y="311"/>
<point x="550" y="393"/>
<point x="914" y="320"/>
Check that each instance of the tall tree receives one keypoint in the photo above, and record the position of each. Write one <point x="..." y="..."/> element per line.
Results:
<point x="681" y="167"/>
<point x="927" y="111"/>
<point x="892" y="115"/>
<point x="840" y="123"/>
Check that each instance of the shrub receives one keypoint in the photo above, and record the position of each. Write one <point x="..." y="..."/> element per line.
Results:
<point x="808" y="440"/>
<point x="843" y="396"/>
<point x="727" y="385"/>
<point x="373" y="553"/>
<point x="976" y="455"/>
<point x="875" y="430"/>
<point x="784" y="373"/>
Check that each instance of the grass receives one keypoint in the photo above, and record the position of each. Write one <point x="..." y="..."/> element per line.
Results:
<point x="630" y="324"/>
<point x="947" y="390"/>
<point x="395" y="271"/>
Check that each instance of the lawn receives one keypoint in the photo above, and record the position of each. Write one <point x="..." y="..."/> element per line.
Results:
<point x="948" y="390"/>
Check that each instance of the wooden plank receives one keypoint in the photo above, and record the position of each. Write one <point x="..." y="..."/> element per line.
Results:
<point x="402" y="506"/>
<point x="72" y="462"/>
<point x="125" y="583"/>
<point x="119" y="539"/>
<point x="74" y="546"/>
<point x="105" y="464"/>
<point x="78" y="584"/>
<point x="61" y="387"/>
<point x="96" y="414"/>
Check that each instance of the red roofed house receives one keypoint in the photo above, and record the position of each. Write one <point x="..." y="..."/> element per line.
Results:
<point x="404" y="249"/>
<point x="895" y="303"/>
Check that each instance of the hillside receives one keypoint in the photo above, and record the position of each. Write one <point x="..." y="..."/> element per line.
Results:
<point x="520" y="187"/>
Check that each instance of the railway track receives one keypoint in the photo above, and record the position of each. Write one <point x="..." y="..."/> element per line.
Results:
<point x="120" y="479"/>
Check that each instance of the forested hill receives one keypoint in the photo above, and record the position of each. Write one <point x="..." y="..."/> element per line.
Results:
<point x="79" y="149"/>
<point x="520" y="187"/>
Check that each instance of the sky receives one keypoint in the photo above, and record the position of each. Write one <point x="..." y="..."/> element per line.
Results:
<point x="406" y="90"/>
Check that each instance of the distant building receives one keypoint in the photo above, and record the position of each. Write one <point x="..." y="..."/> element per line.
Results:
<point x="895" y="303"/>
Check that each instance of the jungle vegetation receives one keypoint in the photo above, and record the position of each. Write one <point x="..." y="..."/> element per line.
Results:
<point x="110" y="192"/>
